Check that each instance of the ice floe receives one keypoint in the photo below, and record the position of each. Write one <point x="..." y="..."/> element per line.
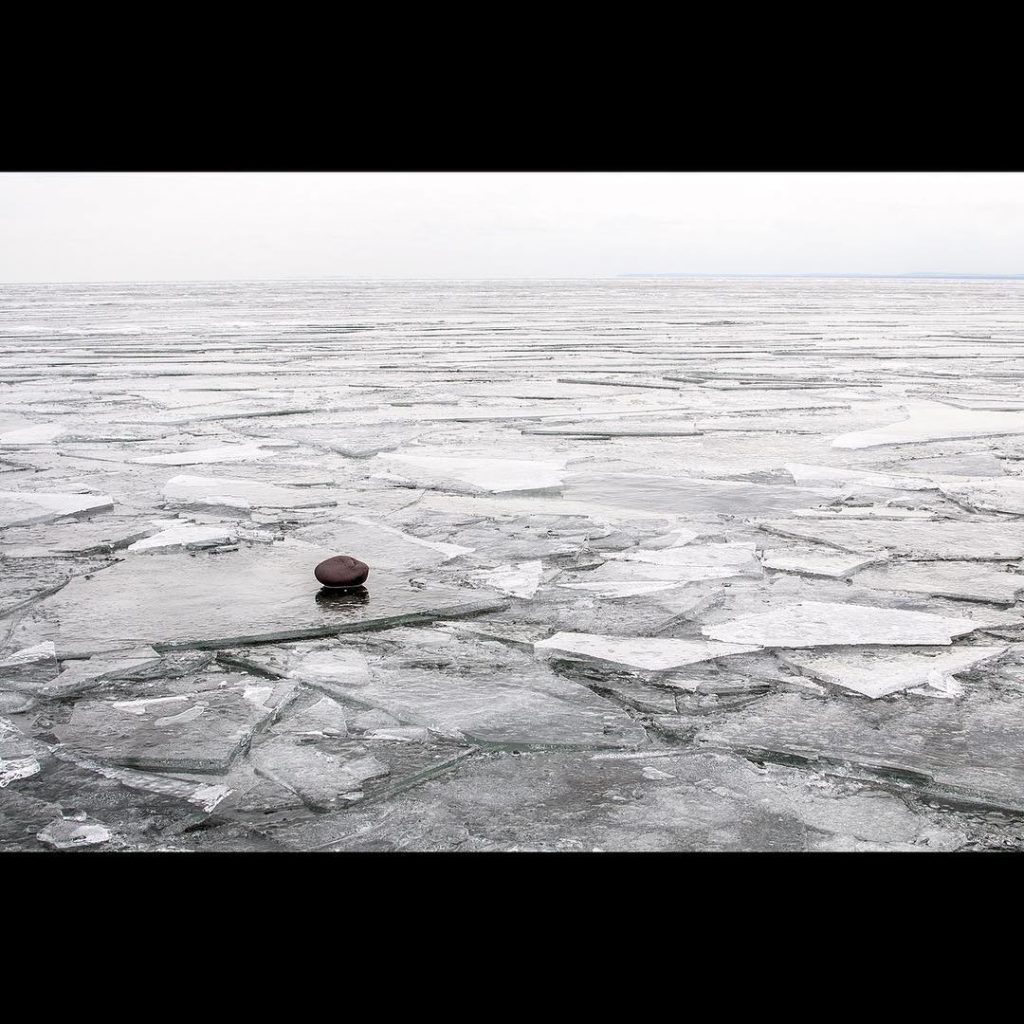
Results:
<point x="186" y="490"/>
<point x="652" y="654"/>
<point x="935" y="421"/>
<point x="70" y="835"/>
<point x="201" y="456"/>
<point x="391" y="548"/>
<point x="820" y="623"/>
<point x="813" y="561"/>
<point x="26" y="437"/>
<point x="474" y="474"/>
<point x="998" y="494"/>
<point x="19" y="508"/>
<point x="941" y="539"/>
<point x="159" y="733"/>
<point x="967" y="581"/>
<point x="878" y="673"/>
<point x="519" y="579"/>
<point x="832" y="476"/>
<point x="506" y="704"/>
<point x="185" y="536"/>
<point x="209" y="600"/>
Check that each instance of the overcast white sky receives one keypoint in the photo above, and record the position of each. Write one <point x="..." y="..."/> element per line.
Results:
<point x="175" y="226"/>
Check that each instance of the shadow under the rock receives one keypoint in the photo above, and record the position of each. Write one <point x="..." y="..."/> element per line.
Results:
<point x="335" y="596"/>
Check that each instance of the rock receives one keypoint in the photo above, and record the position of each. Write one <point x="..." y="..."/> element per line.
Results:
<point x="341" y="571"/>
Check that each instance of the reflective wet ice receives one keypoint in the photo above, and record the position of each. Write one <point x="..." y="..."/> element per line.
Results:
<point x="673" y="564"/>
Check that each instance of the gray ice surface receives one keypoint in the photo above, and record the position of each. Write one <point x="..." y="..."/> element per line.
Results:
<point x="655" y="564"/>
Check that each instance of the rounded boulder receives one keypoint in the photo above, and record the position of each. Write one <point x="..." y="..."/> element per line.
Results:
<point x="341" y="571"/>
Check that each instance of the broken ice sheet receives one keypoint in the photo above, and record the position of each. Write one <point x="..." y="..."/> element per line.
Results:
<point x="474" y="474"/>
<point x="519" y="579"/>
<point x="70" y="835"/>
<point x="687" y="496"/>
<point x="677" y="801"/>
<point x="935" y="421"/>
<point x="814" y="561"/>
<point x="619" y="428"/>
<point x="23" y="581"/>
<point x="966" y="749"/>
<point x="943" y="539"/>
<point x="210" y="600"/>
<point x="845" y="477"/>
<point x="19" y="508"/>
<point x="648" y="653"/>
<point x="392" y="549"/>
<point x="965" y="581"/>
<point x="619" y="589"/>
<point x="222" y="453"/>
<point x="23" y="437"/>
<point x="85" y="674"/>
<point x="512" y="701"/>
<point x="187" y="490"/>
<point x="307" y="752"/>
<point x="700" y="561"/>
<point x="864" y="512"/>
<point x="185" y="535"/>
<point x="816" y="624"/>
<point x="103" y="535"/>
<point x="197" y="727"/>
<point x="880" y="672"/>
<point x="29" y="669"/>
<point x="998" y="494"/>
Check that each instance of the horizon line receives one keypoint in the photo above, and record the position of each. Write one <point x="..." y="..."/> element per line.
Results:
<point x="946" y="275"/>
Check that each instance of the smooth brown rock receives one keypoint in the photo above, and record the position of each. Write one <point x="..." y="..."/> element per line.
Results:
<point x="341" y="571"/>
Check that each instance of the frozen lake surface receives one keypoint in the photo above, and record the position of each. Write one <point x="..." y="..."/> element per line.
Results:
<point x="656" y="564"/>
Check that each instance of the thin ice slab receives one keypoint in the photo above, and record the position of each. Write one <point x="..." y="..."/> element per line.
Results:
<point x="968" y="749"/>
<point x="185" y="536"/>
<point x="708" y="560"/>
<point x="682" y="495"/>
<point x="665" y="800"/>
<point x="63" y="834"/>
<point x="209" y="600"/>
<point x="27" y="670"/>
<point x="21" y="508"/>
<point x="878" y="673"/>
<point x="838" y="476"/>
<point x="474" y="474"/>
<point x="864" y="512"/>
<point x="943" y="539"/>
<point x="27" y="437"/>
<point x="935" y="421"/>
<point x="966" y="581"/>
<point x="813" y="562"/>
<point x="617" y="428"/>
<point x="819" y="623"/>
<point x="87" y="673"/>
<point x="652" y="654"/>
<point x="511" y="702"/>
<point x="989" y="494"/>
<point x="198" y="730"/>
<point x="385" y="547"/>
<point x="24" y="580"/>
<point x="220" y="454"/>
<point x="308" y="752"/>
<point x="518" y="579"/>
<point x="619" y="589"/>
<point x="101" y="536"/>
<point x="188" y="490"/>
